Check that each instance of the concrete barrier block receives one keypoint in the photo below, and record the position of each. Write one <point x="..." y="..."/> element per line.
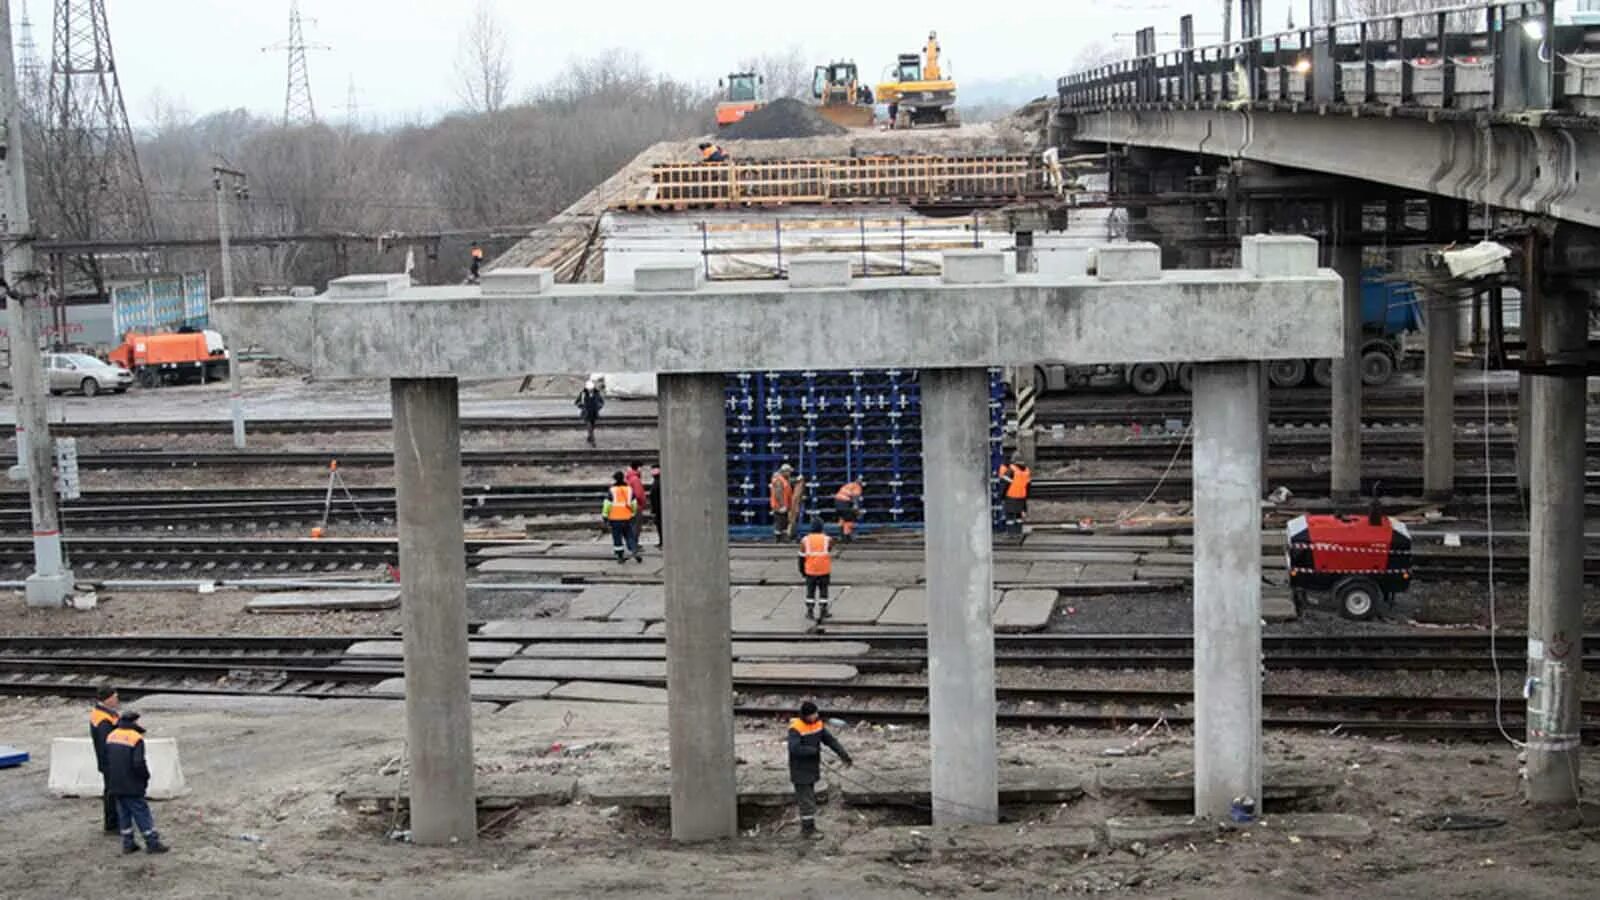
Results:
<point x="1062" y="262"/>
<point x="1137" y="261"/>
<point x="73" y="772"/>
<point x="974" y="266"/>
<point x="534" y="280"/>
<point x="1278" y="255"/>
<point x="818" y="270"/>
<point x="666" y="276"/>
<point x="368" y="287"/>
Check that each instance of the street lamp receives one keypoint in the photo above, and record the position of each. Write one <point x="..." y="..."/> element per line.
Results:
<point x="221" y="179"/>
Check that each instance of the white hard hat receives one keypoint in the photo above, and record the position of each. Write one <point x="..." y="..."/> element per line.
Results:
<point x="589" y="384"/>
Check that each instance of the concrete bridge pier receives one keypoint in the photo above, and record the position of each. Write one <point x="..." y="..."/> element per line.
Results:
<point x="1345" y="482"/>
<point x="1439" y="401"/>
<point x="1555" y="554"/>
<point x="960" y="576"/>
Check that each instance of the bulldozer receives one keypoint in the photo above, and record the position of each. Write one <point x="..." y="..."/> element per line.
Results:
<point x="841" y="97"/>
<point x="741" y="95"/>
<point x="919" y="93"/>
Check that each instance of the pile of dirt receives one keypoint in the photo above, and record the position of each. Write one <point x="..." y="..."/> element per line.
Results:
<point x="785" y="117"/>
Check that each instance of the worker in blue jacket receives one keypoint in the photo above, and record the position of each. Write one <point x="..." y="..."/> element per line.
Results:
<point x="127" y="778"/>
<point x="807" y="735"/>
<point x="103" y="717"/>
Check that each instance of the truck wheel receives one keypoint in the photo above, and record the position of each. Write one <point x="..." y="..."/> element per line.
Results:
<point x="1286" y="373"/>
<point x="1358" y="598"/>
<point x="1377" y="367"/>
<point x="1186" y="378"/>
<point x="1148" y="378"/>
<point x="148" y="378"/>
<point x="1322" y="372"/>
<point x="90" y="387"/>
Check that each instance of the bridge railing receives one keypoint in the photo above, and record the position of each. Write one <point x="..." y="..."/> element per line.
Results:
<point x="1500" y="55"/>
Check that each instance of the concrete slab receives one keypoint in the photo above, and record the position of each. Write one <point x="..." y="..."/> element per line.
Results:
<point x="539" y="565"/>
<point x="799" y="649"/>
<point x="73" y="772"/>
<point x="1054" y="573"/>
<point x="859" y="605"/>
<point x="494" y="791"/>
<point x="323" y="601"/>
<point x="652" y="790"/>
<point x="764" y="609"/>
<point x="583" y="669"/>
<point x="1165" y="573"/>
<point x="770" y="787"/>
<point x="598" y="601"/>
<point x="782" y="671"/>
<point x="1011" y="572"/>
<point x="658" y="650"/>
<point x="480" y="688"/>
<point x="647" y="602"/>
<point x="519" y="549"/>
<point x="908" y="609"/>
<point x="607" y="692"/>
<point x="1125" y="831"/>
<point x="555" y="628"/>
<point x="1107" y="557"/>
<point x="1277" y="605"/>
<point x="1018" y="785"/>
<point x="1093" y="541"/>
<point x="1024" y="610"/>
<point x="1156" y="786"/>
<point x="1334" y="827"/>
<point x="1106" y="572"/>
<point x="926" y="843"/>
<point x="396" y="649"/>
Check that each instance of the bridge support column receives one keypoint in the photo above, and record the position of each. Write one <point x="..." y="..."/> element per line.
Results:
<point x="960" y="576"/>
<point x="433" y="602"/>
<point x="1345" y="482"/>
<point x="1227" y="586"/>
<point x="1524" y="434"/>
<point x="699" y="615"/>
<point x="1555" y="555"/>
<point x="1439" y="401"/>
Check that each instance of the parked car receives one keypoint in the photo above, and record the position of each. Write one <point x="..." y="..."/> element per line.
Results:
<point x="81" y="372"/>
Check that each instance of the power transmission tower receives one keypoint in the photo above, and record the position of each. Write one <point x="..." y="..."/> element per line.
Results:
<point x="91" y="169"/>
<point x="30" y="69"/>
<point x="297" y="106"/>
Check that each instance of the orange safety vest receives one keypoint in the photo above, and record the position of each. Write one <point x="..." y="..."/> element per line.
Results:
<point x="620" y="506"/>
<point x="814" y="547"/>
<point x="781" y="493"/>
<point x="709" y="152"/>
<point x="850" y="493"/>
<point x="1018" y="476"/>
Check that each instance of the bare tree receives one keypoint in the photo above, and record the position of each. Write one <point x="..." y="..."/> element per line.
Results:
<point x="482" y="62"/>
<point x="1097" y="53"/>
<point x="786" y="73"/>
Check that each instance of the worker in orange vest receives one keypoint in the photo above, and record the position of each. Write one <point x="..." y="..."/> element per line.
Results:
<point x="711" y="153"/>
<point x="780" y="498"/>
<point x="1015" y="477"/>
<point x="797" y="506"/>
<point x="816" y="564"/>
<point x="847" y="505"/>
<point x="619" y="509"/>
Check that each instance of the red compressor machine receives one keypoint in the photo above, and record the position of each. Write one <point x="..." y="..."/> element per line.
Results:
<point x="1360" y="561"/>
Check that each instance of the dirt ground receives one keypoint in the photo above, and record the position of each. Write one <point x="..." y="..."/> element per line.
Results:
<point x="261" y="821"/>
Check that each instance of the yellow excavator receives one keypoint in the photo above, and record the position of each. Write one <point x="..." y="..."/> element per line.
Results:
<point x="840" y="95"/>
<point x="920" y="93"/>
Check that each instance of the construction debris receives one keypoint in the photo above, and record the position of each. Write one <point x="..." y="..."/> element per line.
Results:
<point x="785" y="117"/>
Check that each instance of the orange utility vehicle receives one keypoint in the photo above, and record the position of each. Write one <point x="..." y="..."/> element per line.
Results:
<point x="157" y="359"/>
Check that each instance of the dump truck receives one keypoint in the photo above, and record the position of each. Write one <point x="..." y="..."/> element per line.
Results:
<point x="918" y="91"/>
<point x="176" y="358"/>
<point x="741" y="95"/>
<point x="841" y="97"/>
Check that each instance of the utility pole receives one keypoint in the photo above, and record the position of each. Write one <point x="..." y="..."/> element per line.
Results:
<point x="221" y="179"/>
<point x="50" y="582"/>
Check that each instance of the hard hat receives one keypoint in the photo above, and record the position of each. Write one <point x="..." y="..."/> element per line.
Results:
<point x="589" y="384"/>
<point x="786" y="468"/>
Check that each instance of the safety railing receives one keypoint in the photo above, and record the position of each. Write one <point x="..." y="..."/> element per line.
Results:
<point x="919" y="180"/>
<point x="1500" y="56"/>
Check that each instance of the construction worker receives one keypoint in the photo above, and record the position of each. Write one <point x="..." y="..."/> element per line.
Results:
<point x="477" y="261"/>
<point x="816" y="565"/>
<point x="847" y="506"/>
<point x="619" y="509"/>
<point x="807" y="735"/>
<point x="589" y="403"/>
<point x="797" y="507"/>
<point x="653" y="495"/>
<point x="103" y="717"/>
<point x="1015" y="477"/>
<point x="780" y="499"/>
<point x="711" y="153"/>
<point x="635" y="480"/>
<point x="127" y="778"/>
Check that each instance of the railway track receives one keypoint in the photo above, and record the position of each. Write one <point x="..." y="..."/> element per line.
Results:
<point x="318" y="667"/>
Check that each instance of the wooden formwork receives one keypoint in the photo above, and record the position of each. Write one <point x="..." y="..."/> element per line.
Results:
<point x="914" y="180"/>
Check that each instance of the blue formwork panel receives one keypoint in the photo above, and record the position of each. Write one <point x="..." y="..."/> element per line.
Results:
<point x="11" y="757"/>
<point x="832" y="426"/>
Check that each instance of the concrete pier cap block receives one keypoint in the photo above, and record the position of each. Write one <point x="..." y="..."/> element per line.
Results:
<point x="1136" y="261"/>
<point x="666" y="277"/>
<point x="818" y="270"/>
<point x="1278" y="255"/>
<point x="368" y="287"/>
<point x="1070" y="262"/>
<point x="534" y="280"/>
<point x="974" y="266"/>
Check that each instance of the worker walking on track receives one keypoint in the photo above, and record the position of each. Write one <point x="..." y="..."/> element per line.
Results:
<point x="653" y="497"/>
<point x="127" y="778"/>
<point x="780" y="499"/>
<point x="589" y="403"/>
<point x="807" y="735"/>
<point x="847" y="506"/>
<point x="103" y="717"/>
<point x="1015" y="478"/>
<point x="619" y="509"/>
<point x="816" y="565"/>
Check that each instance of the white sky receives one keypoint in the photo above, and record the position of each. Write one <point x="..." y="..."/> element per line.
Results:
<point x="205" y="55"/>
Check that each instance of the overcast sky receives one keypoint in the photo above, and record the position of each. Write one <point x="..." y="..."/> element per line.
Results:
<point x="205" y="55"/>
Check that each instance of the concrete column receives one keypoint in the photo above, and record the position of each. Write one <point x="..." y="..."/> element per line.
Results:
<point x="1345" y="480"/>
<point x="960" y="576"/>
<point x="1555" y="556"/>
<point x="699" y="615"/>
<point x="1263" y="420"/>
<point x="433" y="603"/>
<point x="1026" y="385"/>
<point x="1524" y="433"/>
<point x="1439" y="401"/>
<point x="1227" y="586"/>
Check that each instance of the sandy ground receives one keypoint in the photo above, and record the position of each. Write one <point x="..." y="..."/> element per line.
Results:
<point x="272" y="776"/>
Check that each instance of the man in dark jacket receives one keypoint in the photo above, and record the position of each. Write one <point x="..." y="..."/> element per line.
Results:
<point x="653" y="494"/>
<point x="589" y="403"/>
<point x="127" y="777"/>
<point x="807" y="735"/>
<point x="102" y="719"/>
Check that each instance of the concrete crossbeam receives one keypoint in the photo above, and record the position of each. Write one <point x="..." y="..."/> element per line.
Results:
<point x="819" y="270"/>
<point x="499" y="282"/>
<point x="1134" y="261"/>
<point x="973" y="266"/>
<point x="1186" y="315"/>
<point x="1278" y="255"/>
<point x="650" y="277"/>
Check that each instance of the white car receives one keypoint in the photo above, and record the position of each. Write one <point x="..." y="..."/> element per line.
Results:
<point x="81" y="372"/>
